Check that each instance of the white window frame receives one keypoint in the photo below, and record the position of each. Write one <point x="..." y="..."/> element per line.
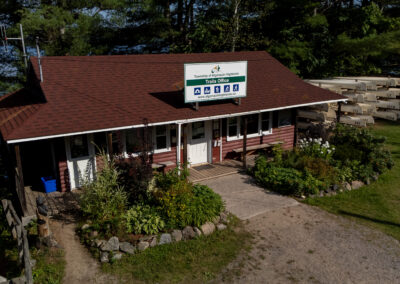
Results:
<point x="168" y="144"/>
<point x="279" y="118"/>
<point x="258" y="134"/>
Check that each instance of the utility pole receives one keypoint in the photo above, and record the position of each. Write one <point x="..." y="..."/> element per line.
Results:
<point x="5" y="40"/>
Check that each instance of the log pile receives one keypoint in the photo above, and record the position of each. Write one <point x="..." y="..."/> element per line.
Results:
<point x="368" y="98"/>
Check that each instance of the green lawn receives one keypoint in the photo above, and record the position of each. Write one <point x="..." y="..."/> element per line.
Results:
<point x="194" y="261"/>
<point x="378" y="204"/>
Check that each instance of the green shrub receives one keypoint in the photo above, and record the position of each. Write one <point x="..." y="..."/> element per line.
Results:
<point x="315" y="148"/>
<point x="143" y="219"/>
<point x="184" y="204"/>
<point x="285" y="180"/>
<point x="103" y="200"/>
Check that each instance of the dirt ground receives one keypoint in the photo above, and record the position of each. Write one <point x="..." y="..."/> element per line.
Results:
<point x="303" y="244"/>
<point x="80" y="266"/>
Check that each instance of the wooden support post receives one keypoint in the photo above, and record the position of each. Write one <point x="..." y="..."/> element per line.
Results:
<point x="244" y="142"/>
<point x="185" y="144"/>
<point x="338" y="112"/>
<point x="110" y="144"/>
<point x="19" y="179"/>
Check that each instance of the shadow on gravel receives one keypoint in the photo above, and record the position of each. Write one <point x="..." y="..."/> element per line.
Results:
<point x="368" y="218"/>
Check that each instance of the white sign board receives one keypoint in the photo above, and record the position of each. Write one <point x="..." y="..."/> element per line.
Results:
<point x="215" y="81"/>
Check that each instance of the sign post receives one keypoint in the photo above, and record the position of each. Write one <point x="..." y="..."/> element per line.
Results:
<point x="215" y="81"/>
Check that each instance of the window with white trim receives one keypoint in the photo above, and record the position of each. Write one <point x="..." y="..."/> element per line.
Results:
<point x="266" y="122"/>
<point x="133" y="140"/>
<point x="257" y="125"/>
<point x="161" y="138"/>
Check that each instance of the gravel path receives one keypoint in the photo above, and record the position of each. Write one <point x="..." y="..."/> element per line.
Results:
<point x="304" y="244"/>
<point x="80" y="266"/>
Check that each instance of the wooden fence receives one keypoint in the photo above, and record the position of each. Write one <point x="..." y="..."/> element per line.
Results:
<point x="19" y="233"/>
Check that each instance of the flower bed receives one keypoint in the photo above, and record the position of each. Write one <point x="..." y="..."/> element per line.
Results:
<point x="351" y="158"/>
<point x="164" y="208"/>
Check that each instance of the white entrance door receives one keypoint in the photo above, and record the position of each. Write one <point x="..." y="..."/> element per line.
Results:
<point x="81" y="159"/>
<point x="199" y="142"/>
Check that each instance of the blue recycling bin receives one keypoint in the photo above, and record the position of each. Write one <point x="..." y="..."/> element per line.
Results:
<point x="49" y="184"/>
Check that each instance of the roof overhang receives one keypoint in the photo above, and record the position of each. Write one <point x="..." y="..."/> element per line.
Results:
<point x="182" y="121"/>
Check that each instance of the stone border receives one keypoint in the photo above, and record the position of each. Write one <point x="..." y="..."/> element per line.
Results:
<point x="113" y="249"/>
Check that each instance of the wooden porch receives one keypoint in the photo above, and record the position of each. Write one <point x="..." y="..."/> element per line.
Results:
<point x="58" y="203"/>
<point x="209" y="171"/>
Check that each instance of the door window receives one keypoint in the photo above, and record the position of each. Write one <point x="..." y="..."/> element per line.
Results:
<point x="79" y="146"/>
<point x="198" y="131"/>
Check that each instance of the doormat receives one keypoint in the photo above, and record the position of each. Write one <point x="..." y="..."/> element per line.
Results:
<point x="204" y="167"/>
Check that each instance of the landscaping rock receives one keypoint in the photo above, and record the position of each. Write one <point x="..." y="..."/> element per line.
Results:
<point x="126" y="247"/>
<point x="208" y="228"/>
<point x="347" y="186"/>
<point x="375" y="177"/>
<point x="197" y="231"/>
<point x="153" y="242"/>
<point x="143" y="245"/>
<point x="18" y="280"/>
<point x="223" y="217"/>
<point x="117" y="256"/>
<point x="176" y="235"/>
<point x="321" y="194"/>
<point x="221" y="227"/>
<point x="111" y="245"/>
<point x="85" y="227"/>
<point x="94" y="234"/>
<point x="335" y="187"/>
<point x="99" y="243"/>
<point x="165" y="239"/>
<point x="32" y="262"/>
<point x="356" y="184"/>
<point x="216" y="220"/>
<point x="104" y="257"/>
<point x="188" y="233"/>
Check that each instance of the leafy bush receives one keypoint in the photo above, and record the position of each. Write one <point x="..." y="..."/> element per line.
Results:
<point x="285" y="180"/>
<point x="143" y="219"/>
<point x="103" y="200"/>
<point x="315" y="148"/>
<point x="184" y="204"/>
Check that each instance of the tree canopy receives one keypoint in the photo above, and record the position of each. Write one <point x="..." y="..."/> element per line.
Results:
<point x="313" y="38"/>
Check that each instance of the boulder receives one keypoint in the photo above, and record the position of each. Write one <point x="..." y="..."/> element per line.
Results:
<point x="18" y="280"/>
<point x="176" y="235"/>
<point x="321" y="194"/>
<point x="153" y="242"/>
<point x="94" y="234"/>
<point x="223" y="217"/>
<point x="188" y="233"/>
<point x="197" y="231"/>
<point x="165" y="239"/>
<point x="335" y="187"/>
<point x="111" y="245"/>
<point x="356" y="184"/>
<point x="3" y="280"/>
<point x="117" y="256"/>
<point x="347" y="186"/>
<point x="221" y="227"/>
<point x="142" y="245"/>
<point x="375" y="177"/>
<point x="208" y="228"/>
<point x="99" y="243"/>
<point x="126" y="247"/>
<point x="104" y="257"/>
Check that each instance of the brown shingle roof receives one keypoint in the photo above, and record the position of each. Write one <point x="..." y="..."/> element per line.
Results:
<point x="99" y="92"/>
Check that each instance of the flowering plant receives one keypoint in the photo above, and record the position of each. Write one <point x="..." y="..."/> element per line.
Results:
<point x="316" y="148"/>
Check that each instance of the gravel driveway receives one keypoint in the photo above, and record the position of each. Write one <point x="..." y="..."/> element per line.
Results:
<point x="302" y="244"/>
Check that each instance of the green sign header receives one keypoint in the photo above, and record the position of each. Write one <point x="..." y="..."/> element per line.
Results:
<point x="213" y="81"/>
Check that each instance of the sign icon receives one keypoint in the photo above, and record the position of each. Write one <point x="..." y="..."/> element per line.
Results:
<point x="236" y="87"/>
<point x="207" y="90"/>
<point x="197" y="91"/>
<point x="217" y="89"/>
<point x="227" y="88"/>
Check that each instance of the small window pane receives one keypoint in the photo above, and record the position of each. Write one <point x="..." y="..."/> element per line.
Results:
<point x="265" y="121"/>
<point x="285" y="118"/>
<point x="133" y="141"/>
<point x="79" y="146"/>
<point x="232" y="127"/>
<point x="252" y="124"/>
<point x="100" y="142"/>
<point x="216" y="131"/>
<point x="161" y="137"/>
<point x="198" y="130"/>
<point x="117" y="142"/>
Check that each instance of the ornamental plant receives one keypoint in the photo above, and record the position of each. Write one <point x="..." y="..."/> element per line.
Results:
<point x="143" y="219"/>
<point x="315" y="147"/>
